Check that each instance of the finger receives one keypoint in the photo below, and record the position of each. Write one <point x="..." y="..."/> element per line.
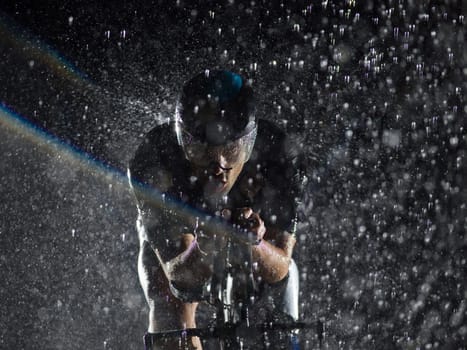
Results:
<point x="254" y="220"/>
<point x="258" y="226"/>
<point x="245" y="213"/>
<point x="226" y="214"/>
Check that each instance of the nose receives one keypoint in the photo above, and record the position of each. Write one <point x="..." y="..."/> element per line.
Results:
<point x="220" y="172"/>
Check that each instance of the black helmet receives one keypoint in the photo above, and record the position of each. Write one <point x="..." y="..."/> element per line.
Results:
<point x="217" y="109"/>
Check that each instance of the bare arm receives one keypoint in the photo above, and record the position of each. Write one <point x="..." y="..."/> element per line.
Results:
<point x="272" y="255"/>
<point x="177" y="251"/>
<point x="166" y="311"/>
<point x="191" y="268"/>
<point x="273" y="260"/>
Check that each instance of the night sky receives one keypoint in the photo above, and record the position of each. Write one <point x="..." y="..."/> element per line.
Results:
<point x="372" y="92"/>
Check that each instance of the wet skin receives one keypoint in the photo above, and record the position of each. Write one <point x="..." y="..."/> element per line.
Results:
<point x="218" y="176"/>
<point x="190" y="267"/>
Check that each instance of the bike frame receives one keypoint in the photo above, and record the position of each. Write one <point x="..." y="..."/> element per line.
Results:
<point x="232" y="306"/>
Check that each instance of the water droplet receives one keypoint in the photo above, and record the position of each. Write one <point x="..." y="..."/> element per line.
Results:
<point x="454" y="141"/>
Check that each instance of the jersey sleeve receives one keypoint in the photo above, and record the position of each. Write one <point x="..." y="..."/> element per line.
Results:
<point x="149" y="162"/>
<point x="284" y="181"/>
<point x="151" y="175"/>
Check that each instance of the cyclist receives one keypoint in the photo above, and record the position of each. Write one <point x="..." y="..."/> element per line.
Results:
<point x="217" y="158"/>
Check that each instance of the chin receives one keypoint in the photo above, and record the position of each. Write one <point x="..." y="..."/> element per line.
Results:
<point x="214" y="191"/>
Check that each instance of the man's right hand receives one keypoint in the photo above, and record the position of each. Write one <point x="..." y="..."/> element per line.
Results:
<point x="192" y="267"/>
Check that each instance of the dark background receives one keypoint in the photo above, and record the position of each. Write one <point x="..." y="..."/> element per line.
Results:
<point x="373" y="92"/>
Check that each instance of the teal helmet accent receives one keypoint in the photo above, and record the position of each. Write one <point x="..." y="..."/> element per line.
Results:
<point x="217" y="107"/>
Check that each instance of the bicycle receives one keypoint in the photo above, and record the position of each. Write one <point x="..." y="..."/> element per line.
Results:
<point x="232" y="327"/>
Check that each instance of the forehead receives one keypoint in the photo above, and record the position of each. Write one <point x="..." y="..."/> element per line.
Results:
<point x="229" y="149"/>
<point x="215" y="128"/>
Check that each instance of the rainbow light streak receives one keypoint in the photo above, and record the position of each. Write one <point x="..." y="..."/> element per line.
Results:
<point x="26" y="45"/>
<point x="14" y="123"/>
<point x="31" y="48"/>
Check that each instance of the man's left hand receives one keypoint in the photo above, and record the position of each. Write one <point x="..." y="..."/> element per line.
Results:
<point x="249" y="221"/>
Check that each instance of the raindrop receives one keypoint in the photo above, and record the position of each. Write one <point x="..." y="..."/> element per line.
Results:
<point x="314" y="41"/>
<point x="454" y="141"/>
<point x="324" y="63"/>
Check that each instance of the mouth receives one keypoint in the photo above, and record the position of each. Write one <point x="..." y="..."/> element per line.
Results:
<point x="220" y="186"/>
<point x="216" y="187"/>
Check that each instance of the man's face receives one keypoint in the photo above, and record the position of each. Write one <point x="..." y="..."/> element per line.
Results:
<point x="219" y="170"/>
<point x="216" y="167"/>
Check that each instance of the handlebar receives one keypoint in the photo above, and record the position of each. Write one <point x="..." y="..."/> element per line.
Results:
<point x="224" y="332"/>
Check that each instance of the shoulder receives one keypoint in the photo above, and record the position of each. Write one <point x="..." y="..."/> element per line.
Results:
<point x="158" y="141"/>
<point x="276" y="152"/>
<point x="270" y="137"/>
<point x="155" y="156"/>
<point x="274" y="173"/>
